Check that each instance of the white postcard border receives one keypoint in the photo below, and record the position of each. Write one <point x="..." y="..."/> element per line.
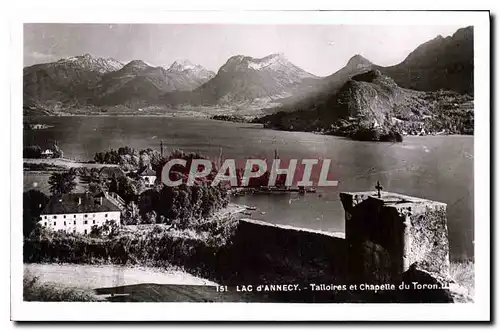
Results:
<point x="480" y="310"/>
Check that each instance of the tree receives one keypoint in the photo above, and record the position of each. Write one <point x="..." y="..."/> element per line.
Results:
<point x="63" y="182"/>
<point x="95" y="188"/>
<point x="149" y="218"/>
<point x="99" y="157"/>
<point x="125" y="156"/>
<point x="124" y="187"/>
<point x="126" y="150"/>
<point x="32" y="152"/>
<point x="182" y="205"/>
<point x="129" y="162"/>
<point x="94" y="179"/>
<point x="33" y="203"/>
<point x="58" y="153"/>
<point x="144" y="160"/>
<point x="150" y="157"/>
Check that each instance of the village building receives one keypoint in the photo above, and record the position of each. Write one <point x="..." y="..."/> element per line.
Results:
<point x="78" y="212"/>
<point x="37" y="126"/>
<point x="148" y="175"/>
<point x="48" y="153"/>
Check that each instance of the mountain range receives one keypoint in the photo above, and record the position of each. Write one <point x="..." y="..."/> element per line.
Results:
<point x="246" y="80"/>
<point x="271" y="82"/>
<point x="139" y="83"/>
<point x="87" y="80"/>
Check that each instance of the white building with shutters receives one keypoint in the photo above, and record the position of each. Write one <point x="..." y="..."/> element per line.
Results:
<point x="78" y="212"/>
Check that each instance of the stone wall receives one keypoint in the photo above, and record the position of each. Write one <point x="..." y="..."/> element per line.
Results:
<point x="388" y="240"/>
<point x="388" y="234"/>
<point x="265" y="253"/>
<point x="291" y="252"/>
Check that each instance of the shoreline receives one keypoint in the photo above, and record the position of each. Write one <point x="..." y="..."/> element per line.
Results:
<point x="250" y="124"/>
<point x="204" y="116"/>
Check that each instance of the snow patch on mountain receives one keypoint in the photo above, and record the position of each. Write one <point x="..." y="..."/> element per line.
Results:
<point x="190" y="71"/>
<point x="182" y="65"/>
<point x="273" y="61"/>
<point x="89" y="62"/>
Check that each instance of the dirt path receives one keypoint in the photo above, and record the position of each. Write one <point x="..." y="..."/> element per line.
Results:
<point x="97" y="276"/>
<point x="68" y="163"/>
<point x="133" y="284"/>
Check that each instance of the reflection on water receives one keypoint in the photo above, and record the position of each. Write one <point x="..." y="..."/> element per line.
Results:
<point x="438" y="168"/>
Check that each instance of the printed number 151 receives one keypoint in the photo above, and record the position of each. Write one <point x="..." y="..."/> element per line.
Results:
<point x="221" y="288"/>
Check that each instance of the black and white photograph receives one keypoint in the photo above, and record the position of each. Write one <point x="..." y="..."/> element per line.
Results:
<point x="308" y="162"/>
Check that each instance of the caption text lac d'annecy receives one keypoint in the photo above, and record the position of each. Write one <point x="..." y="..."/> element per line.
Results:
<point x="330" y="287"/>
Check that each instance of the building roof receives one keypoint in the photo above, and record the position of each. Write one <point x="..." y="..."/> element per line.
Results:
<point x="69" y="204"/>
<point x="146" y="171"/>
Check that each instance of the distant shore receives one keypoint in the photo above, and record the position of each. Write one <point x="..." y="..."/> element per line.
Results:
<point x="190" y="112"/>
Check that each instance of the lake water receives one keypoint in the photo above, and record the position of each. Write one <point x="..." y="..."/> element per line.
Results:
<point x="434" y="167"/>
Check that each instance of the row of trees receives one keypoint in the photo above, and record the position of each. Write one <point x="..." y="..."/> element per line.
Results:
<point x="124" y="155"/>
<point x="183" y="206"/>
<point x="128" y="158"/>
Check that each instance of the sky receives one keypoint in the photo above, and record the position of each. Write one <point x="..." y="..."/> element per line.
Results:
<point x="319" y="49"/>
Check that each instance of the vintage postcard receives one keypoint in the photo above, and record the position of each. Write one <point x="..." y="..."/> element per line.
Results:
<point x="291" y="166"/>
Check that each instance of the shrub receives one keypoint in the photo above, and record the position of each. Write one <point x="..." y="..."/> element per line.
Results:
<point x="109" y="228"/>
<point x="33" y="290"/>
<point x="197" y="249"/>
<point x="463" y="273"/>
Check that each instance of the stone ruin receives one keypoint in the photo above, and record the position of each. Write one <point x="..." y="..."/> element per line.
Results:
<point x="389" y="239"/>
<point x="394" y="238"/>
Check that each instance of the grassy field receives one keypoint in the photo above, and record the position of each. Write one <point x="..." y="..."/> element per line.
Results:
<point x="39" y="180"/>
<point x="37" y="172"/>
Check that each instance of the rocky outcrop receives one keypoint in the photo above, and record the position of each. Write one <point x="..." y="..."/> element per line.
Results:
<point x="367" y="100"/>
<point x="439" y="64"/>
<point x="371" y="106"/>
<point x="423" y="286"/>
